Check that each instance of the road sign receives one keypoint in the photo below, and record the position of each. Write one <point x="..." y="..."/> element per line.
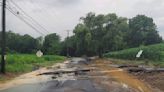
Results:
<point x="139" y="54"/>
<point x="39" y="53"/>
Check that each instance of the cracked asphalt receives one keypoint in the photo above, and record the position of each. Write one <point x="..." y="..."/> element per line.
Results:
<point x="75" y="75"/>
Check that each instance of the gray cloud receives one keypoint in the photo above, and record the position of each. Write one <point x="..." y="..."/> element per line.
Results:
<point x="55" y="3"/>
<point x="66" y="2"/>
<point x="60" y="15"/>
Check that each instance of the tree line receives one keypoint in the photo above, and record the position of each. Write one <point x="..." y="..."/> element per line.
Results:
<point x="94" y="35"/>
<point x="98" y="34"/>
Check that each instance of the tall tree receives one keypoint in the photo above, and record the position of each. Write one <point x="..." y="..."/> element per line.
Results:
<point x="69" y="46"/>
<point x="80" y="35"/>
<point x="142" y="30"/>
<point x="51" y="44"/>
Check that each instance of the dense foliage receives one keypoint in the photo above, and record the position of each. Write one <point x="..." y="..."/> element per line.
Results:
<point x="97" y="34"/>
<point x="94" y="35"/>
<point x="16" y="43"/>
<point x="51" y="44"/>
<point x="20" y="43"/>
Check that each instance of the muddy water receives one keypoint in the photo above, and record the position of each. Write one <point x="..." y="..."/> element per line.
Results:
<point x="25" y="88"/>
<point x="122" y="77"/>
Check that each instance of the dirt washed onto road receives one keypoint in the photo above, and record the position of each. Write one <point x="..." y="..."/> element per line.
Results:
<point x="155" y="79"/>
<point x="77" y="75"/>
<point x="28" y="78"/>
<point x="123" y="77"/>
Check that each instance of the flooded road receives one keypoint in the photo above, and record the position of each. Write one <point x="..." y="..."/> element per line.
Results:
<point x="25" y="88"/>
<point x="122" y="76"/>
<point x="77" y="75"/>
<point x="55" y="86"/>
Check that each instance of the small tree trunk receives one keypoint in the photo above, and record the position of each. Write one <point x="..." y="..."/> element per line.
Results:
<point x="100" y="53"/>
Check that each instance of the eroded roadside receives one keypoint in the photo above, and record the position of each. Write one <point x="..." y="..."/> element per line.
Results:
<point x="122" y="76"/>
<point x="155" y="79"/>
<point x="28" y="78"/>
<point x="151" y="75"/>
<point x="78" y="75"/>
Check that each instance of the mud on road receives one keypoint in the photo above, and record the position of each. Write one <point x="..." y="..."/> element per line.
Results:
<point x="79" y="75"/>
<point x="155" y="79"/>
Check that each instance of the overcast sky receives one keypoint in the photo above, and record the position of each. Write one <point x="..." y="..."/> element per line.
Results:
<point x="57" y="16"/>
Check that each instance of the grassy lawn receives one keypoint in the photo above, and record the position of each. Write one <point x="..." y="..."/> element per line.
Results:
<point x="22" y="63"/>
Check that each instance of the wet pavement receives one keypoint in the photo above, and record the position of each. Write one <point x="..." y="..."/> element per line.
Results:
<point x="75" y="75"/>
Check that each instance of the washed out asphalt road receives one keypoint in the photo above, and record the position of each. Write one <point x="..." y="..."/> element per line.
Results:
<point x="75" y="75"/>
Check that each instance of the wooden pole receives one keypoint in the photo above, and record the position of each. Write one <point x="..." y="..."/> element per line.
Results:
<point x="3" y="36"/>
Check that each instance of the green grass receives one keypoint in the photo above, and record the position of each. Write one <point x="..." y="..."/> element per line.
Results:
<point x="136" y="62"/>
<point x="151" y="53"/>
<point x="21" y="63"/>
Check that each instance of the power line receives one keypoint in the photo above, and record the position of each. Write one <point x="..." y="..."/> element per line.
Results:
<point x="17" y="14"/>
<point x="28" y="16"/>
<point x="26" y="22"/>
<point x="43" y="9"/>
<point x="11" y="11"/>
<point x="46" y="13"/>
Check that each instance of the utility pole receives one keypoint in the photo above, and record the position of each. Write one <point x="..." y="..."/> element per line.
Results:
<point x="3" y="36"/>
<point x="67" y="43"/>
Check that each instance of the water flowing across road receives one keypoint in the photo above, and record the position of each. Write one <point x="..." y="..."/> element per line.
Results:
<point x="77" y="75"/>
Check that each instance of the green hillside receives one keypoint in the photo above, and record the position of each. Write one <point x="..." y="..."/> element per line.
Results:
<point x="151" y="52"/>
